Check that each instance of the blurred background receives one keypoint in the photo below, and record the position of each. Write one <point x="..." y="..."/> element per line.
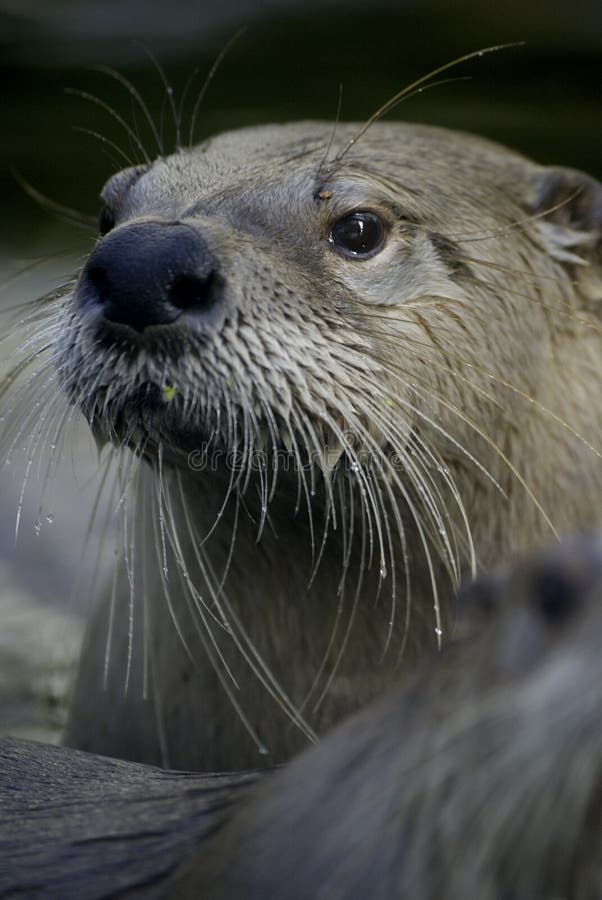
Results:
<point x="544" y="98"/>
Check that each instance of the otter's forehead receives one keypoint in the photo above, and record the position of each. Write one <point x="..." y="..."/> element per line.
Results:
<point x="226" y="166"/>
<point x="292" y="163"/>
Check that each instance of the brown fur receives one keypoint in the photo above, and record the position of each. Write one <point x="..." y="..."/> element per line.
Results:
<point x="444" y="389"/>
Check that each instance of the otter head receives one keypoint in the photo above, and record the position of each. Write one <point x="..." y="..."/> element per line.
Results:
<point x="393" y="302"/>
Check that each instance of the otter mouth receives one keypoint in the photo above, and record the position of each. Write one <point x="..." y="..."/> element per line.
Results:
<point x="164" y="389"/>
<point x="161" y="358"/>
<point x="133" y="394"/>
<point x="137" y="390"/>
<point x="153" y="417"/>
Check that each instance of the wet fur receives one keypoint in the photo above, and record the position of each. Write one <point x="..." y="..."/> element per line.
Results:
<point x="443" y="391"/>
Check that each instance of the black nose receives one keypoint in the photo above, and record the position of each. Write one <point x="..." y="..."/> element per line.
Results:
<point x="149" y="273"/>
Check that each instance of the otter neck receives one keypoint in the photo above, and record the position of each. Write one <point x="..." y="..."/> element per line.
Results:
<point x="288" y="608"/>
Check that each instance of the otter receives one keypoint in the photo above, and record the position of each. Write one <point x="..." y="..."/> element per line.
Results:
<point x="480" y="777"/>
<point x="347" y="367"/>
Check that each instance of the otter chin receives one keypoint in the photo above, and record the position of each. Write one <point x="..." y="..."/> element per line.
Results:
<point x="347" y="367"/>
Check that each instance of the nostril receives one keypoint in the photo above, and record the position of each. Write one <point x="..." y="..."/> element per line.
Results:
<point x="100" y="282"/>
<point x="556" y="594"/>
<point x="192" y="291"/>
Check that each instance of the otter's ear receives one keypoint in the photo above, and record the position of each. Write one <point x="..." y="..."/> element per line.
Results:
<point x="569" y="206"/>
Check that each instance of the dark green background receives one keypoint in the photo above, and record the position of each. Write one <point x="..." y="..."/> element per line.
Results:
<point x="544" y="98"/>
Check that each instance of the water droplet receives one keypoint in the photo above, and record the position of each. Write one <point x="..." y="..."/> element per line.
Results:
<point x="383" y="572"/>
<point x="263" y="750"/>
<point x="438" y="632"/>
<point x="37" y="527"/>
<point x="50" y="518"/>
<point x="165" y="570"/>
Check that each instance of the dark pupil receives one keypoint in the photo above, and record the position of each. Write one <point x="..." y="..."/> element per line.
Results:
<point x="358" y="234"/>
<point x="106" y="221"/>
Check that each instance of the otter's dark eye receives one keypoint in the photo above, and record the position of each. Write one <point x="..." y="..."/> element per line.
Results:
<point x="106" y="221"/>
<point x="358" y="235"/>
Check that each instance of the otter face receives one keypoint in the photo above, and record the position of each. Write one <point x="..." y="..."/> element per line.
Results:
<point x="209" y="309"/>
<point x="261" y="292"/>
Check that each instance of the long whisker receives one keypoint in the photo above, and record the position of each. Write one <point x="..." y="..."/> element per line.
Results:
<point x="26" y="266"/>
<point x="417" y="519"/>
<point x="565" y="310"/>
<point x="210" y="75"/>
<point x="135" y="93"/>
<point x="97" y="101"/>
<point x="474" y="426"/>
<point x="332" y="136"/>
<point x="243" y="642"/>
<point x="106" y="142"/>
<point x="478" y="234"/>
<point x="66" y="213"/>
<point x="472" y="364"/>
<point x="350" y="621"/>
<point x="346" y="506"/>
<point x="169" y="93"/>
<point x="396" y="98"/>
